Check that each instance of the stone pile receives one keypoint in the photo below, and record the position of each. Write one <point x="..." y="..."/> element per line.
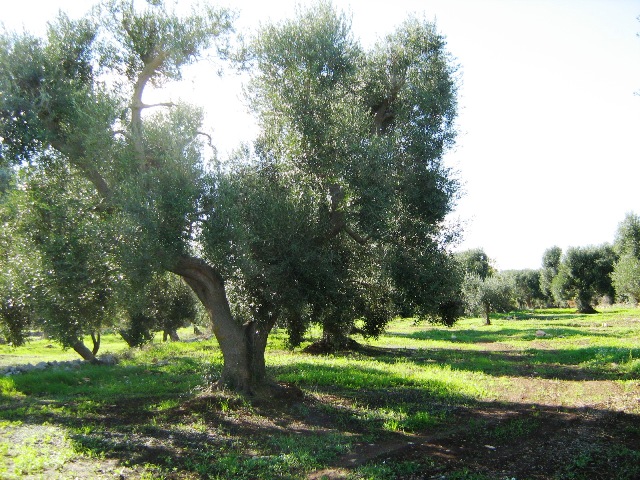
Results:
<point x="63" y="365"/>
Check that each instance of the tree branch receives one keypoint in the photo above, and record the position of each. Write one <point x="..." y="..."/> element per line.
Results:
<point x="210" y="140"/>
<point x="162" y="104"/>
<point x="149" y="70"/>
<point x="91" y="174"/>
<point x="356" y="236"/>
<point x="381" y="113"/>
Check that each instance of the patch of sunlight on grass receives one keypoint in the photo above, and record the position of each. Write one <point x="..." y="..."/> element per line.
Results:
<point x="8" y="389"/>
<point x="30" y="450"/>
<point x="357" y="373"/>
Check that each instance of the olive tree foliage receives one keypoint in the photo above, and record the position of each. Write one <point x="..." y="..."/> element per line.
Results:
<point x="584" y="275"/>
<point x="475" y="261"/>
<point x="626" y="271"/>
<point x="627" y="238"/>
<point x="551" y="259"/>
<point x="626" y="278"/>
<point x="77" y="278"/>
<point x="18" y="265"/>
<point x="486" y="296"/>
<point x="336" y="216"/>
<point x="350" y="155"/>
<point x="525" y="287"/>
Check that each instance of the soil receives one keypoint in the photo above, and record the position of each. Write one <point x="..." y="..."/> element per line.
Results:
<point x="546" y="452"/>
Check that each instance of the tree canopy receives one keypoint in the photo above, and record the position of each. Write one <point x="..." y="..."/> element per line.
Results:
<point x="336" y="214"/>
<point x="584" y="274"/>
<point x="626" y="271"/>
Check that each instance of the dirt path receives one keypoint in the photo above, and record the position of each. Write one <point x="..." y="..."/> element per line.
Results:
<point x="501" y="443"/>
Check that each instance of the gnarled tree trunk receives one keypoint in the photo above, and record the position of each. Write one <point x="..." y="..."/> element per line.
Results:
<point x="170" y="335"/>
<point x="95" y="338"/>
<point x="242" y="346"/>
<point x="81" y="349"/>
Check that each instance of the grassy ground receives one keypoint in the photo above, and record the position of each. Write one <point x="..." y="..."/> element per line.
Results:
<point x="421" y="402"/>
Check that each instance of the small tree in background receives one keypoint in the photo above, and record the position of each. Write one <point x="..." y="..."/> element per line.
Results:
<point x="551" y="259"/>
<point x="627" y="239"/>
<point x="475" y="261"/>
<point x="165" y="305"/>
<point x="585" y="274"/>
<point x="485" y="296"/>
<point x="526" y="287"/>
<point x="626" y="271"/>
<point x="626" y="278"/>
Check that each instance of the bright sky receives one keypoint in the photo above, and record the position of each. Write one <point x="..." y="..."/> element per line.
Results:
<point x="549" y="144"/>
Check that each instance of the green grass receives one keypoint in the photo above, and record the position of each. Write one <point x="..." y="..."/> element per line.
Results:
<point x="147" y="417"/>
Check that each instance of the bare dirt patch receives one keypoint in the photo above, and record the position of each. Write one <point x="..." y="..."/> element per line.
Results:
<point x="506" y="442"/>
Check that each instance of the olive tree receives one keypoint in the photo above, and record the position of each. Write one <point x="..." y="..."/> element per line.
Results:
<point x="488" y="295"/>
<point x="164" y="305"/>
<point x="525" y="286"/>
<point x="627" y="238"/>
<point x="626" y="278"/>
<point x="336" y="215"/>
<point x="475" y="261"/>
<point x="354" y="140"/>
<point x="584" y="274"/>
<point x="73" y="109"/>
<point x="626" y="270"/>
<point x="551" y="259"/>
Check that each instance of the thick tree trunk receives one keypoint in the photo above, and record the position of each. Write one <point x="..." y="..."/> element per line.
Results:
<point x="487" y="314"/>
<point x="583" y="304"/>
<point x="81" y="349"/>
<point x="332" y="342"/>
<point x="170" y="335"/>
<point x="242" y="346"/>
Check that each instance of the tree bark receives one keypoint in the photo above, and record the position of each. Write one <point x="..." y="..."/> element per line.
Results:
<point x="487" y="313"/>
<point x="242" y="346"/>
<point x="170" y="335"/>
<point x="95" y="338"/>
<point x="583" y="304"/>
<point x="81" y="349"/>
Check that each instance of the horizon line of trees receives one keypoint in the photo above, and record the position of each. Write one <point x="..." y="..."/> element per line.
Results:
<point x="581" y="276"/>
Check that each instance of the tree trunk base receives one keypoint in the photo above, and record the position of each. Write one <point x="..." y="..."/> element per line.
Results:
<point x="81" y="349"/>
<point x="587" y="311"/>
<point x="264" y="394"/>
<point x="325" y="346"/>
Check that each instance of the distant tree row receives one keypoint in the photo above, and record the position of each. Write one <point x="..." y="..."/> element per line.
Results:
<point x="581" y="276"/>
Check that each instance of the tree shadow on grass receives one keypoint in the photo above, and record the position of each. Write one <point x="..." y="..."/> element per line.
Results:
<point x="218" y="434"/>
<point x="507" y="440"/>
<point x="586" y="363"/>
<point x="152" y="416"/>
<point x="502" y="335"/>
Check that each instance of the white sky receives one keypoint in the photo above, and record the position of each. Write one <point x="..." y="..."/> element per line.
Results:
<point x="549" y="144"/>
